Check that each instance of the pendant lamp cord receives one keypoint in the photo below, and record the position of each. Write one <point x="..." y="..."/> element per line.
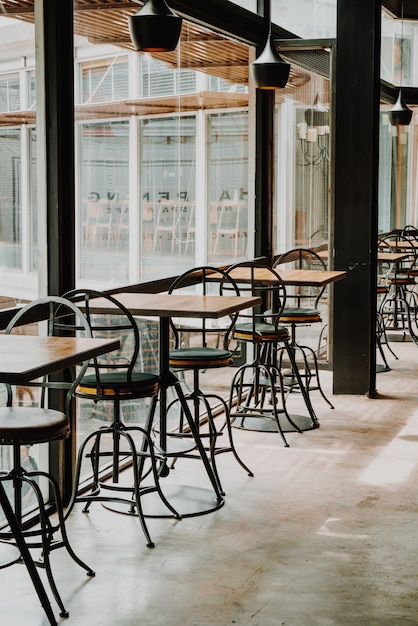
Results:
<point x="401" y="79"/>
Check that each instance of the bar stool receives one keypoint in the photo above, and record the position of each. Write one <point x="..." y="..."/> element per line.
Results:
<point x="258" y="393"/>
<point x="117" y="379"/>
<point x="399" y="306"/>
<point x="192" y="351"/>
<point x="21" y="426"/>
<point x="302" y="309"/>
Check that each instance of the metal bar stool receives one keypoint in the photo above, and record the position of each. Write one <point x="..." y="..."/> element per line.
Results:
<point x="24" y="426"/>
<point x="117" y="380"/>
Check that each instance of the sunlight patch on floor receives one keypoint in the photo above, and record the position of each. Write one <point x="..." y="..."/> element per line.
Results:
<point x="398" y="459"/>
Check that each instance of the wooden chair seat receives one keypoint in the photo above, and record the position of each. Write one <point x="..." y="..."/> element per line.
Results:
<point x="201" y="357"/>
<point x="28" y="425"/>
<point x="142" y="385"/>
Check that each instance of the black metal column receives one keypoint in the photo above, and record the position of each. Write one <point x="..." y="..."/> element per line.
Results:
<point x="356" y="159"/>
<point x="55" y="122"/>
<point x="264" y="173"/>
<point x="56" y="180"/>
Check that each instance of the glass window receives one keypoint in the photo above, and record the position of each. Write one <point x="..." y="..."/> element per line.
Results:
<point x="10" y="200"/>
<point x="303" y="159"/>
<point x="9" y="93"/>
<point x="228" y="187"/>
<point x="104" y="211"/>
<point x="398" y="51"/>
<point x="168" y="195"/>
<point x="160" y="80"/>
<point x="33" y="214"/>
<point x="250" y="5"/>
<point x="32" y="90"/>
<point x="310" y="19"/>
<point x="105" y="80"/>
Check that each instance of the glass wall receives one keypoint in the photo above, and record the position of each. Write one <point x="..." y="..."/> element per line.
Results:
<point x="310" y="19"/>
<point x="104" y="208"/>
<point x="10" y="199"/>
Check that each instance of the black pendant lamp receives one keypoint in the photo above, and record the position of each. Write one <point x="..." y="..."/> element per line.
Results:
<point x="155" y="28"/>
<point x="269" y="70"/>
<point x="400" y="114"/>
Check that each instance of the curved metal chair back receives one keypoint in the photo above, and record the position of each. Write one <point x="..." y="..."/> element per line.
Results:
<point x="255" y="279"/>
<point x="302" y="259"/>
<point x="62" y="317"/>
<point x="204" y="280"/>
<point x="110" y="318"/>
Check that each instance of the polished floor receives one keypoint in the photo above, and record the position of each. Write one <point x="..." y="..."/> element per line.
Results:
<point x="324" y="534"/>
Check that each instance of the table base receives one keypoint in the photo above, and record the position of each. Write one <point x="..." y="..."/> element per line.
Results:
<point x="268" y="424"/>
<point x="189" y="501"/>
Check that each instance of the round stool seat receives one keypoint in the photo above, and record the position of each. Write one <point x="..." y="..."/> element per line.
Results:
<point x="200" y="357"/>
<point x="263" y="332"/>
<point x="22" y="425"/>
<point x="294" y="315"/>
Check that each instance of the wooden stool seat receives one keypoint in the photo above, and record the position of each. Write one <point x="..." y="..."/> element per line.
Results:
<point x="27" y="425"/>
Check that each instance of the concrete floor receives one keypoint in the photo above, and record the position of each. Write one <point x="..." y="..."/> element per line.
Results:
<point x="323" y="535"/>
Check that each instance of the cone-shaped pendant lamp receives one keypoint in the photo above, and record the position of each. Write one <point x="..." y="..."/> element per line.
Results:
<point x="400" y="114"/>
<point x="269" y="70"/>
<point x="155" y="28"/>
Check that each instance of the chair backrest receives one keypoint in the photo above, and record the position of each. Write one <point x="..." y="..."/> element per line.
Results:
<point x="255" y="279"/>
<point x="110" y="320"/>
<point x="302" y="259"/>
<point x="61" y="317"/>
<point x="203" y="280"/>
<point x="397" y="242"/>
<point x="410" y="232"/>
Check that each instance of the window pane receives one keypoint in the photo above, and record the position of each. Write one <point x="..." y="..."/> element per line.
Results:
<point x="228" y="185"/>
<point x="310" y="19"/>
<point x="33" y="214"/>
<point x="103" y="224"/>
<point x="9" y="93"/>
<point x="168" y="217"/>
<point x="104" y="81"/>
<point x="10" y="202"/>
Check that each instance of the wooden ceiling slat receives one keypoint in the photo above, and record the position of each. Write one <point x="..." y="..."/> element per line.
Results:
<point x="106" y="22"/>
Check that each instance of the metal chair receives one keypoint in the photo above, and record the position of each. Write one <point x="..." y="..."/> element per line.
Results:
<point x="302" y="309"/>
<point x="22" y="426"/>
<point x="399" y="306"/>
<point x="192" y="352"/>
<point x="258" y="389"/>
<point x="114" y="380"/>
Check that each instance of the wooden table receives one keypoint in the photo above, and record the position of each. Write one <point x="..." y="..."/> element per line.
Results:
<point x="24" y="358"/>
<point x="402" y="244"/>
<point x="305" y="278"/>
<point x="299" y="278"/>
<point x="391" y="257"/>
<point x="187" y="500"/>
<point x="382" y="257"/>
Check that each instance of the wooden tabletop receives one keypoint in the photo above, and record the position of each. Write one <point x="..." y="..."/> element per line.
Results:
<point x="392" y="257"/>
<point x="315" y="278"/>
<point x="176" y="305"/>
<point x="385" y="257"/>
<point x="25" y="357"/>
<point x="402" y="244"/>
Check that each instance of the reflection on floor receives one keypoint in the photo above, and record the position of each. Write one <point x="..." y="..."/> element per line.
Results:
<point x="324" y="534"/>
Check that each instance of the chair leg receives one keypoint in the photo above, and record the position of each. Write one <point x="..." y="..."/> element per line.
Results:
<point x="248" y="395"/>
<point x="108" y="491"/>
<point x="196" y="397"/>
<point x="47" y="530"/>
<point x="26" y="556"/>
